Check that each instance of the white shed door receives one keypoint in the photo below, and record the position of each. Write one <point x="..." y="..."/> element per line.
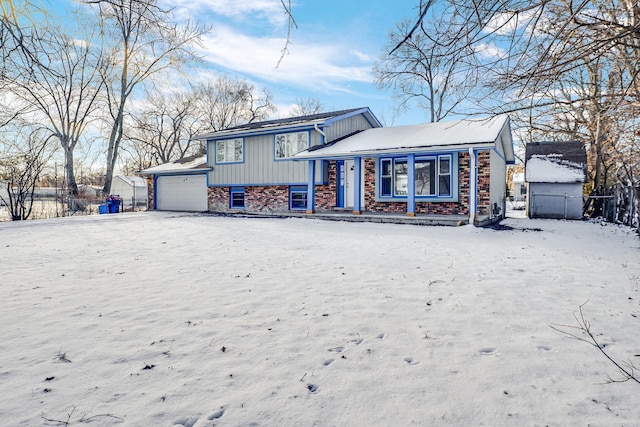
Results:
<point x="182" y="193"/>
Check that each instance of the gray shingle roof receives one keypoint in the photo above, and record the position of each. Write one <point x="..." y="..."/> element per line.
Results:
<point x="572" y="151"/>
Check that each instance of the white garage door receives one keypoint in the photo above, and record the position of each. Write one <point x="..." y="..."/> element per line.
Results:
<point x="182" y="193"/>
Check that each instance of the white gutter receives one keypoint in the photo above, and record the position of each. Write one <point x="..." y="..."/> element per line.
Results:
<point x="472" y="186"/>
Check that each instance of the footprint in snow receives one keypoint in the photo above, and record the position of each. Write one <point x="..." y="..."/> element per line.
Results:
<point x="410" y="361"/>
<point x="328" y="362"/>
<point x="487" y="351"/>
<point x="544" y="348"/>
<point x="186" y="422"/>
<point x="219" y="413"/>
<point x="336" y="349"/>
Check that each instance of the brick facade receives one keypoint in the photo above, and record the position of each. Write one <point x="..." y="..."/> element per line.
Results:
<point x="484" y="183"/>
<point x="326" y="195"/>
<point x="461" y="207"/>
<point x="275" y="199"/>
<point x="151" y="205"/>
<point x="268" y="199"/>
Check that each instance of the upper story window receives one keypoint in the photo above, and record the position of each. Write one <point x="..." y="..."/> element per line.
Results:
<point x="288" y="144"/>
<point x="230" y="151"/>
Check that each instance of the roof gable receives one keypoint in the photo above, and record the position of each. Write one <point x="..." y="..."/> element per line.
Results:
<point x="186" y="164"/>
<point x="429" y="136"/>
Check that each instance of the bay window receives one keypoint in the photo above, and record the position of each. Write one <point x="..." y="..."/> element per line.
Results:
<point x="433" y="177"/>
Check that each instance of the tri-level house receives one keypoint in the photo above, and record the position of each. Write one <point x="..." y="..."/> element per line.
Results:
<point x="346" y="162"/>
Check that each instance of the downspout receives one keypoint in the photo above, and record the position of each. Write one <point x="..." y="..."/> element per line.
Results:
<point x="472" y="186"/>
<point x="321" y="132"/>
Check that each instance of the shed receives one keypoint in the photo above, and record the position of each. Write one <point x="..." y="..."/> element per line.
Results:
<point x="555" y="173"/>
<point x="131" y="189"/>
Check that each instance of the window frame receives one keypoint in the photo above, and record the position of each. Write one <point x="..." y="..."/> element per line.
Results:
<point x="388" y="178"/>
<point x="438" y="196"/>
<point x="234" y="191"/>
<point x="286" y="135"/>
<point x="225" y="142"/>
<point x="298" y="190"/>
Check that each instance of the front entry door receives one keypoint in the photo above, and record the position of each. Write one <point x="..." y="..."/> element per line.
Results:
<point x="349" y="183"/>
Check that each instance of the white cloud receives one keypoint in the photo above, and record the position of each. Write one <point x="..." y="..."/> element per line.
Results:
<point x="306" y="64"/>
<point x="248" y="11"/>
<point x="490" y="50"/>
<point x="508" y="22"/>
<point x="361" y="56"/>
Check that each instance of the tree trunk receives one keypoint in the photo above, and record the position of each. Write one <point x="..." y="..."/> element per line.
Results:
<point x="70" y="176"/>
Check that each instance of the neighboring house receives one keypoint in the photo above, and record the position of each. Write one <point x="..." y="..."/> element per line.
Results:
<point x="518" y="191"/>
<point x="180" y="185"/>
<point x="90" y="191"/>
<point x="344" y="161"/>
<point x="555" y="173"/>
<point x="131" y="189"/>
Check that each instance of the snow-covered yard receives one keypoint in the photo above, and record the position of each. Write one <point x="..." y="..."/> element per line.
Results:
<point x="160" y="319"/>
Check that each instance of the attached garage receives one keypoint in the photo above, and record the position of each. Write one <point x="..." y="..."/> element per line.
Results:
<point x="180" y="185"/>
<point x="181" y="193"/>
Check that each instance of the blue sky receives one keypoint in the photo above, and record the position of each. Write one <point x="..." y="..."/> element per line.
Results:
<point x="330" y="56"/>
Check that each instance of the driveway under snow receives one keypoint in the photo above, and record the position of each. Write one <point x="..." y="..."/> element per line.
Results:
<point x="161" y="319"/>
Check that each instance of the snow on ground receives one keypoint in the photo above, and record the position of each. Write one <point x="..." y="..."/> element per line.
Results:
<point x="160" y="319"/>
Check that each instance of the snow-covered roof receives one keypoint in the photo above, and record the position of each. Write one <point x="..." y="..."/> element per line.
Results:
<point x="429" y="136"/>
<point x="133" y="181"/>
<point x="553" y="170"/>
<point x="555" y="162"/>
<point x="191" y="164"/>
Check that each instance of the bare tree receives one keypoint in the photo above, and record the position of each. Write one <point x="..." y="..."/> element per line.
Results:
<point x="563" y="68"/>
<point x="144" y="41"/>
<point x="435" y="67"/>
<point x="228" y="102"/>
<point x="55" y="79"/>
<point x="307" y="106"/>
<point x="163" y="129"/>
<point x="26" y="152"/>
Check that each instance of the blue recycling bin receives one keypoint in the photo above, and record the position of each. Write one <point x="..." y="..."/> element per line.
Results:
<point x="113" y="203"/>
<point x="103" y="209"/>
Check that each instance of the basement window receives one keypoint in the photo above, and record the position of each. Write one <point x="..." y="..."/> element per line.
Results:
<point x="237" y="198"/>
